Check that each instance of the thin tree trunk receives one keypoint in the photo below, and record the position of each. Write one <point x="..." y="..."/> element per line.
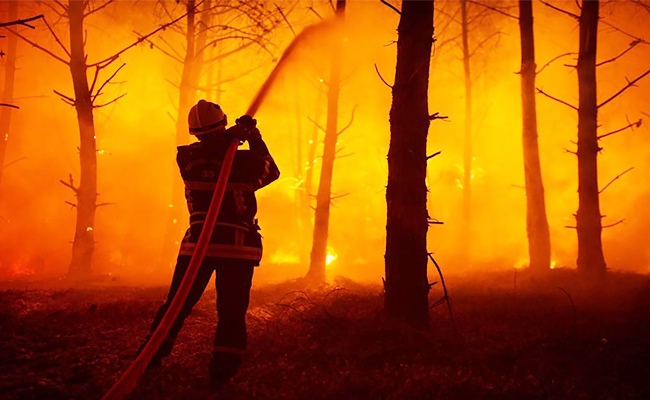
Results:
<point x="539" y="241"/>
<point x="8" y="94"/>
<point x="175" y="227"/>
<point x="84" y="238"/>
<point x="318" y="257"/>
<point x="590" y="249"/>
<point x="406" y="283"/>
<point x="466" y="225"/>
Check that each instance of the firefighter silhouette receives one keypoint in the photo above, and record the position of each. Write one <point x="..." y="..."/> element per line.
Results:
<point x="235" y="247"/>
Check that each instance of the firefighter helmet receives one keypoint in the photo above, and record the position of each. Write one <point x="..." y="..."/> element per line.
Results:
<point x="206" y="117"/>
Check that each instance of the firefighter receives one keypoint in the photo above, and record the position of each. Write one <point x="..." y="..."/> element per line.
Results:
<point x="235" y="247"/>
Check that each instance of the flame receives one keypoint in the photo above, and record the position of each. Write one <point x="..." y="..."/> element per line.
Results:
<point x="284" y="257"/>
<point x="331" y="256"/>
<point x="553" y="264"/>
<point x="89" y="229"/>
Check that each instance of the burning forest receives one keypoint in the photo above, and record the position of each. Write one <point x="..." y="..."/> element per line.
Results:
<point x="382" y="199"/>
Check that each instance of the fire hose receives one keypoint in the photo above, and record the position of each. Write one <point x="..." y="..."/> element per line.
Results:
<point x="129" y="379"/>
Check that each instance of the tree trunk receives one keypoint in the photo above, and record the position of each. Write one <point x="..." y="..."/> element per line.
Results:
<point x="590" y="250"/>
<point x="406" y="283"/>
<point x="466" y="224"/>
<point x="187" y="88"/>
<point x="84" y="238"/>
<point x="8" y="94"/>
<point x="318" y="257"/>
<point x="539" y="241"/>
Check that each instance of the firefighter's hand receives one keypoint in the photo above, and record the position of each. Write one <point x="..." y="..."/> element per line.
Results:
<point x="249" y="125"/>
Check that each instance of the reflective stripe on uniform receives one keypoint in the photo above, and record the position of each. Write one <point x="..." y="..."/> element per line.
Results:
<point x="209" y="186"/>
<point x="224" y="251"/>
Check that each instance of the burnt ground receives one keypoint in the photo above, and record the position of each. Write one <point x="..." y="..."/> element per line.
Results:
<point x="543" y="339"/>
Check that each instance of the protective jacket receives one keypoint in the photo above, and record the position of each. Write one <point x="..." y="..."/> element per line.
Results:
<point x="236" y="232"/>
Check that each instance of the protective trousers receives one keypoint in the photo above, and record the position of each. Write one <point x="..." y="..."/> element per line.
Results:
<point x="233" y="284"/>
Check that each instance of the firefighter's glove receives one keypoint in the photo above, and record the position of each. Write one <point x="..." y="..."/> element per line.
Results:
<point x="250" y="130"/>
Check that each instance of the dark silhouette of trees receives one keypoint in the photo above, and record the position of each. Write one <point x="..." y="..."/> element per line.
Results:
<point x="84" y="100"/>
<point x="589" y="225"/>
<point x="406" y="283"/>
<point x="539" y="240"/>
<point x="318" y="256"/>
<point x="9" y="79"/>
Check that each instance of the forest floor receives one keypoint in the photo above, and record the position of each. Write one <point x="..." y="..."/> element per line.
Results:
<point x="513" y="338"/>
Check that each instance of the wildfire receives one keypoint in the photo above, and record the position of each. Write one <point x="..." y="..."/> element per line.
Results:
<point x="331" y="256"/>
<point x="553" y="263"/>
<point x="284" y="257"/>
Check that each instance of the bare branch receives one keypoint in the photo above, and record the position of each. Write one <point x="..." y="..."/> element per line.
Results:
<point x="614" y="224"/>
<point x="382" y="78"/>
<point x="23" y="22"/>
<point x="284" y="17"/>
<point x="617" y="29"/>
<point x="65" y="49"/>
<point x="339" y="196"/>
<point x="392" y="7"/>
<point x="70" y="184"/>
<point x="615" y="178"/>
<point x="104" y="204"/>
<point x="632" y="125"/>
<point x="436" y="115"/>
<point x="72" y="205"/>
<point x="629" y="84"/>
<point x="94" y="96"/>
<point x="107" y="61"/>
<point x="630" y="47"/>
<point x="540" y="91"/>
<point x="8" y="105"/>
<point x="316" y="123"/>
<point x="494" y="9"/>
<point x="434" y="154"/>
<point x="66" y="99"/>
<point x="14" y="162"/>
<point x="554" y="59"/>
<point x="110" y="102"/>
<point x="570" y="14"/>
<point x="310" y="8"/>
<point x="94" y="10"/>
<point x="43" y="49"/>
<point x="350" y="122"/>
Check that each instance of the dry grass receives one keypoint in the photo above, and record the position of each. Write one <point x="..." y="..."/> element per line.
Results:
<point x="532" y="343"/>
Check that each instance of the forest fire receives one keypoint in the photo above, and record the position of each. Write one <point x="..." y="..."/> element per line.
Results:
<point x="330" y="173"/>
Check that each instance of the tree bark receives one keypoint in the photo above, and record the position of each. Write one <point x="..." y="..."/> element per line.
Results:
<point x="466" y="225"/>
<point x="539" y="241"/>
<point x="318" y="257"/>
<point x="8" y="94"/>
<point x="589" y="227"/>
<point x="406" y="283"/>
<point x="84" y="239"/>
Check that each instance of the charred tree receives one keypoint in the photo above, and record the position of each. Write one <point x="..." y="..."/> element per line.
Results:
<point x="84" y="102"/>
<point x="539" y="241"/>
<point x="406" y="283"/>
<point x="466" y="224"/>
<point x="318" y="256"/>
<point x="588" y="218"/>
<point x="84" y="236"/>
<point x="8" y="94"/>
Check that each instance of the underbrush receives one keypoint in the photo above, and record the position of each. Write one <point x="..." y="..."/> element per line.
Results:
<point x="512" y="337"/>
